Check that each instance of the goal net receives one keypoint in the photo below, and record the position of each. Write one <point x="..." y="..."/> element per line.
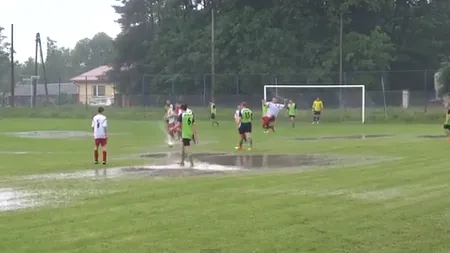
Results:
<point x="342" y="103"/>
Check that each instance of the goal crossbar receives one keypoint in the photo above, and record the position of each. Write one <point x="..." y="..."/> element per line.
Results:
<point x="362" y="87"/>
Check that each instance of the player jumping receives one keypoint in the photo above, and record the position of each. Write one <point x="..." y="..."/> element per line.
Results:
<point x="213" y="113"/>
<point x="273" y="108"/>
<point x="99" y="126"/>
<point x="186" y="122"/>
<point x="245" y="126"/>
<point x="292" y="109"/>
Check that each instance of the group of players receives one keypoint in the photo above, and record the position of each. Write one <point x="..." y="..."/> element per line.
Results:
<point x="181" y="124"/>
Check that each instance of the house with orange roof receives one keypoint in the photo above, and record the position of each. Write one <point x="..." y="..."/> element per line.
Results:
<point x="94" y="87"/>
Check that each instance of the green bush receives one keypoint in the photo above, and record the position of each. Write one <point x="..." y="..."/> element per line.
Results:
<point x="373" y="115"/>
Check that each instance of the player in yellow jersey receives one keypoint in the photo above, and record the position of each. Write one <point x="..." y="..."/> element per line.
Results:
<point x="317" y="108"/>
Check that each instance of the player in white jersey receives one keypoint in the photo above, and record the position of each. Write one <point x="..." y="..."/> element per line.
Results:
<point x="171" y="119"/>
<point x="99" y="126"/>
<point x="273" y="108"/>
<point x="236" y="114"/>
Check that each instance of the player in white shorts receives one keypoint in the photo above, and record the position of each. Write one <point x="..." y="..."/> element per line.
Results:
<point x="273" y="108"/>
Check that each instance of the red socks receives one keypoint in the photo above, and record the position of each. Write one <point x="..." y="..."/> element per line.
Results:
<point x="104" y="156"/>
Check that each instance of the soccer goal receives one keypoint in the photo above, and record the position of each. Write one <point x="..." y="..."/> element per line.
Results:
<point x="341" y="102"/>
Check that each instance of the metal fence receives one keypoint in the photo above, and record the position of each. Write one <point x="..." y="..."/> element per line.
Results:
<point x="230" y="89"/>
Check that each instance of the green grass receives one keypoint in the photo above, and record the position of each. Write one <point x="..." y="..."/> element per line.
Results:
<point x="395" y="206"/>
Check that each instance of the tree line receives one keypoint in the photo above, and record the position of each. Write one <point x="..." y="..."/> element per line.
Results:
<point x="289" y="37"/>
<point x="61" y="63"/>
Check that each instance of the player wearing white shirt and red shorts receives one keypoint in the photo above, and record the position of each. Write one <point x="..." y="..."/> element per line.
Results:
<point x="99" y="126"/>
<point x="273" y="108"/>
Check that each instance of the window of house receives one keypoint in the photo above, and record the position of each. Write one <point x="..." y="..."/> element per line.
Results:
<point x="98" y="90"/>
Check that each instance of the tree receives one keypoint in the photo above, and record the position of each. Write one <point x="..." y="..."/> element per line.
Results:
<point x="5" y="66"/>
<point x="57" y="62"/>
<point x="94" y="52"/>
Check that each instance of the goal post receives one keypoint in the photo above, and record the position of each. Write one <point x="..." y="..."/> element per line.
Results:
<point x="357" y="99"/>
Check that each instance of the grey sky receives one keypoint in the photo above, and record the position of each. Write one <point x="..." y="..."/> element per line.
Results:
<point x="65" y="21"/>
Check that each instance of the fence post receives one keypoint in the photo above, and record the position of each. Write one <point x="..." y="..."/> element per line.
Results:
<point x="173" y="89"/>
<point x="144" y="103"/>
<point x="59" y="90"/>
<point x="204" y="89"/>
<point x="86" y="91"/>
<point x="238" y="86"/>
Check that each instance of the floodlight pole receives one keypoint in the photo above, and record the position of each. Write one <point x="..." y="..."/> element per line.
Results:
<point x="213" y="53"/>
<point x="341" y="32"/>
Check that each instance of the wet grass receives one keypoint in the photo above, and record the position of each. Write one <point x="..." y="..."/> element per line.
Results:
<point x="392" y="206"/>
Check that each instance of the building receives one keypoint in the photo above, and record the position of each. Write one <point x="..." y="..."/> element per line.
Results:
<point x="94" y="87"/>
<point x="58" y="93"/>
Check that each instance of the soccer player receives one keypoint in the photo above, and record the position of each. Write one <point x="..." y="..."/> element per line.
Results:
<point x="99" y="126"/>
<point x="292" y="109"/>
<point x="264" y="108"/>
<point x="236" y="114"/>
<point x="245" y="126"/>
<point x="447" y="125"/>
<point x="213" y="113"/>
<point x="317" y="108"/>
<point x="273" y="108"/>
<point x="186" y="122"/>
<point x="171" y="118"/>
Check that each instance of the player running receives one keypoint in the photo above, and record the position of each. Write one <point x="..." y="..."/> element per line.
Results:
<point x="317" y="108"/>
<point x="236" y="115"/>
<point x="171" y="119"/>
<point x="245" y="126"/>
<point x="213" y="113"/>
<point x="292" y="109"/>
<point x="186" y="122"/>
<point x="99" y="126"/>
<point x="273" y="108"/>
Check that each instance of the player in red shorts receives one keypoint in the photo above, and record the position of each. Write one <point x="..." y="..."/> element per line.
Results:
<point x="99" y="126"/>
<point x="273" y="108"/>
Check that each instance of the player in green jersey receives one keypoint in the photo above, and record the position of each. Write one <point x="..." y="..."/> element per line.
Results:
<point x="447" y="125"/>
<point x="264" y="108"/>
<point x="292" y="109"/>
<point x="245" y="126"/>
<point x="213" y="113"/>
<point x="186" y="123"/>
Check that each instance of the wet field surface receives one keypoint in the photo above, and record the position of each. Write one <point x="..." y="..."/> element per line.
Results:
<point x="343" y="137"/>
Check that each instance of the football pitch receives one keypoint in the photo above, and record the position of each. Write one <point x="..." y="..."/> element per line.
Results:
<point x="379" y="188"/>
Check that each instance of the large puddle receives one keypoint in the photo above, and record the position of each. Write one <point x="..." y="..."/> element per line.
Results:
<point x="13" y="199"/>
<point x="167" y="165"/>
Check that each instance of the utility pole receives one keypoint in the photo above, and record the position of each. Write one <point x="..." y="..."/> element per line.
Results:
<point x="341" y="34"/>
<point x="213" y="52"/>
<point x="12" y="97"/>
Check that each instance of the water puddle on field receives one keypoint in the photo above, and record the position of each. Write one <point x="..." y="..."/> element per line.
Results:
<point x="167" y="165"/>
<point x="13" y="199"/>
<point x="343" y="137"/>
<point x="51" y="134"/>
<point x="431" y="136"/>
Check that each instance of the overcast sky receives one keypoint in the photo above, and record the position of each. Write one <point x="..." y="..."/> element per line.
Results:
<point x="65" y="21"/>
